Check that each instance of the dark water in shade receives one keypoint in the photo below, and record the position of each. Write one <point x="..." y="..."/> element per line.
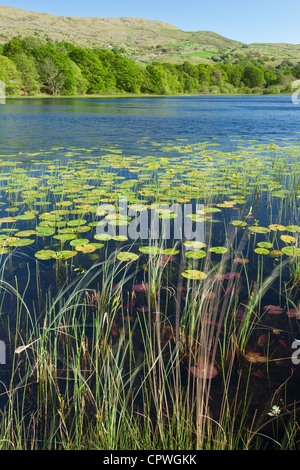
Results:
<point x="34" y="124"/>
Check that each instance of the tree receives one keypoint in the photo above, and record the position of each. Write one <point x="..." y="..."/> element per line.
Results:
<point x="253" y="76"/>
<point x="29" y="43"/>
<point x="234" y="73"/>
<point x="92" y="69"/>
<point x="52" y="76"/>
<point x="75" y="83"/>
<point x="9" y="75"/>
<point x="127" y="75"/>
<point x="270" y="78"/>
<point x="29" y="74"/>
<point x="13" y="47"/>
<point x="160" y="80"/>
<point x="218" y="76"/>
<point x="296" y="71"/>
<point x="203" y="74"/>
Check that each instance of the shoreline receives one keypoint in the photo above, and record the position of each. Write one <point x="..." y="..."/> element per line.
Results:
<point x="136" y="95"/>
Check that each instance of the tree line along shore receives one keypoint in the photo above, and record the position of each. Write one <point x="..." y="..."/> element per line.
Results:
<point x="30" y="66"/>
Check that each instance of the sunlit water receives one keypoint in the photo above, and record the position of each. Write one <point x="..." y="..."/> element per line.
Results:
<point x="31" y="124"/>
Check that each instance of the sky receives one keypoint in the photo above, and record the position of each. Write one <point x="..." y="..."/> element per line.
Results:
<point x="245" y="21"/>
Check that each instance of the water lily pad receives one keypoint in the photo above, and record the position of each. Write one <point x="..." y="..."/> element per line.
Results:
<point x="103" y="237"/>
<point x="76" y="222"/>
<point x="293" y="313"/>
<point x="97" y="245"/>
<point x="127" y="256"/>
<point x="120" y="238"/>
<point x="255" y="357"/>
<point x="291" y="250"/>
<point x="44" y="254"/>
<point x="238" y="223"/>
<point x="81" y="229"/>
<point x="65" y="254"/>
<point x="293" y="228"/>
<point x="265" y="245"/>
<point x="64" y="203"/>
<point x="170" y="251"/>
<point x="7" y="220"/>
<point x="88" y="248"/>
<point x="44" y="231"/>
<point x="241" y="260"/>
<point x="149" y="250"/>
<point x="204" y="370"/>
<point x="194" y="244"/>
<point x="277" y="227"/>
<point x="64" y="236"/>
<point x="275" y="253"/>
<point x="25" y="216"/>
<point x="220" y="250"/>
<point x="258" y="229"/>
<point x="26" y="233"/>
<point x="261" y="251"/>
<point x="288" y="239"/>
<point x="79" y="242"/>
<point x="208" y="210"/>
<point x="195" y="254"/>
<point x="194" y="274"/>
<point x="21" y="242"/>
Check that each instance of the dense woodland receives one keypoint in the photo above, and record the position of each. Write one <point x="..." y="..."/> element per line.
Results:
<point x="32" y="66"/>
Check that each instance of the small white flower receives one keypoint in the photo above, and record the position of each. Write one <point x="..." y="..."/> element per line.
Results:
<point x="275" y="411"/>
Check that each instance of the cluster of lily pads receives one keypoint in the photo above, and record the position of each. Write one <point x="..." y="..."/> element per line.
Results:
<point x="50" y="200"/>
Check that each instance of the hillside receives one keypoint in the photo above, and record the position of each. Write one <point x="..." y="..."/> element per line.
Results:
<point x="141" y="39"/>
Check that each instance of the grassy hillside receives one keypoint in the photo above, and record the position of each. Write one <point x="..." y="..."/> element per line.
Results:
<point x="141" y="39"/>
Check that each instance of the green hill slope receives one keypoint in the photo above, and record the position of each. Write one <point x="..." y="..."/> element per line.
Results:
<point x="141" y="39"/>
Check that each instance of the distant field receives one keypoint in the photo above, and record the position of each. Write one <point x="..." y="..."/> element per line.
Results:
<point x="204" y="54"/>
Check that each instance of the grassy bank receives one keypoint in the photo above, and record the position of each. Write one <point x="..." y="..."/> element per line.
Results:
<point x="137" y="95"/>
<point x="88" y="373"/>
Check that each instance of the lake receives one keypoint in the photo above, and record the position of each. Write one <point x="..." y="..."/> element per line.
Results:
<point x="31" y="124"/>
<point x="146" y="236"/>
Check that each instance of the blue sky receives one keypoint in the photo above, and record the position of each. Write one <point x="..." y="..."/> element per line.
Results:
<point x="246" y="21"/>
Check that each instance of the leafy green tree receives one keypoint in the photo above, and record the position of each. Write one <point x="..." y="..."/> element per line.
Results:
<point x="270" y="78"/>
<point x="296" y="71"/>
<point x="218" y="76"/>
<point x="75" y="83"/>
<point x="127" y="74"/>
<point x="190" y="69"/>
<point x="52" y="76"/>
<point x="92" y="70"/>
<point x="13" y="47"/>
<point x="160" y="80"/>
<point x="9" y="75"/>
<point x="29" y="74"/>
<point x="30" y="43"/>
<point x="191" y="85"/>
<point x="59" y="74"/>
<point x="253" y="76"/>
<point x="204" y="74"/>
<point x="234" y="73"/>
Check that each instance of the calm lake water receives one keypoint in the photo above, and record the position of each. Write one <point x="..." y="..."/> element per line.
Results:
<point x="236" y="156"/>
<point x="34" y="124"/>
